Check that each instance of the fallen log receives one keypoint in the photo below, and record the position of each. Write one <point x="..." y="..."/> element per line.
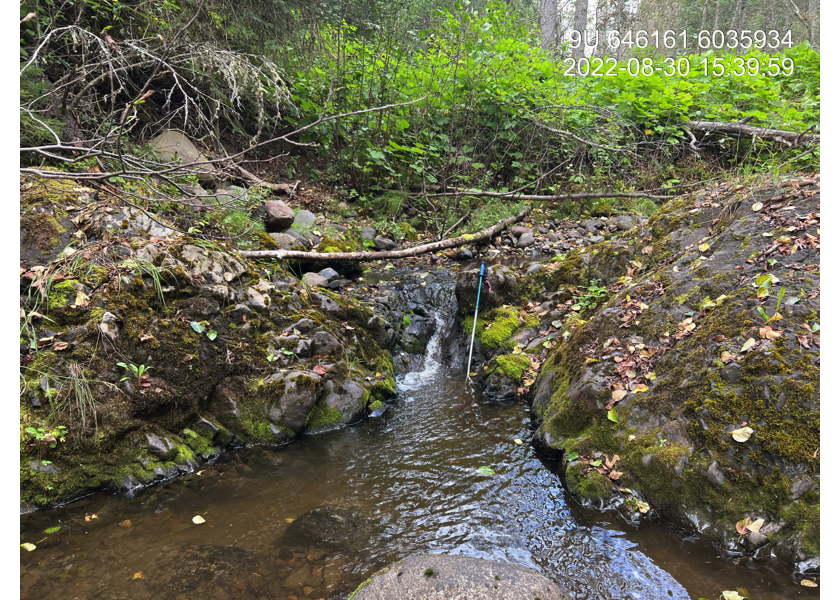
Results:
<point x="539" y="197"/>
<point x="789" y="138"/>
<point x="461" y="240"/>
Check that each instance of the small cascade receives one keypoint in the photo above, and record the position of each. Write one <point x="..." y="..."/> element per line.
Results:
<point x="442" y="306"/>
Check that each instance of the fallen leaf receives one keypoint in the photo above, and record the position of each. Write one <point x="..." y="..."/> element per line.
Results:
<point x="126" y="523"/>
<point x="618" y="395"/>
<point x="703" y="247"/>
<point x="742" y="434"/>
<point x="730" y="595"/>
<point x="612" y="416"/>
<point x="289" y="520"/>
<point x="808" y="583"/>
<point x="82" y="300"/>
<point x="137" y="575"/>
<point x="320" y="369"/>
<point x="198" y="519"/>
<point x="757" y="206"/>
<point x="727" y="357"/>
<point x="59" y="345"/>
<point x="748" y="344"/>
<point x="517" y="441"/>
<point x="614" y="475"/>
<point x="755" y="525"/>
<point x="768" y="333"/>
<point x="642" y="507"/>
<point x="486" y="471"/>
<point x="28" y="547"/>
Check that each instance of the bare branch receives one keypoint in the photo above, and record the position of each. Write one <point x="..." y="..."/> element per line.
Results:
<point x="392" y="254"/>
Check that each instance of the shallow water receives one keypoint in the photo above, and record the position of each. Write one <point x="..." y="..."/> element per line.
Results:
<point x="402" y="484"/>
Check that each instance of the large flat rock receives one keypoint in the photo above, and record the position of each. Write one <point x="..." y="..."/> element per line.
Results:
<point x="443" y="577"/>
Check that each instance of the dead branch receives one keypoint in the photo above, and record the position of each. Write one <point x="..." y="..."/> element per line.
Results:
<point x="789" y="138"/>
<point x="549" y="197"/>
<point x="391" y="254"/>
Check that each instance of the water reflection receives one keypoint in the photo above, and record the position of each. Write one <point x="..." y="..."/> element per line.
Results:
<point x="314" y="519"/>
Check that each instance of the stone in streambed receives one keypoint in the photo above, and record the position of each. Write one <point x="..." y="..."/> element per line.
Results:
<point x="381" y="243"/>
<point x="329" y="274"/>
<point x="445" y="577"/>
<point x="525" y="240"/>
<point x="315" y="280"/>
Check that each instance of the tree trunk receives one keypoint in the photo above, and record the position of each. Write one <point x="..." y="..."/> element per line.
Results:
<point x="717" y="15"/>
<point x="391" y="254"/>
<point x="581" y="9"/>
<point x="736" y="14"/>
<point x="548" y="23"/>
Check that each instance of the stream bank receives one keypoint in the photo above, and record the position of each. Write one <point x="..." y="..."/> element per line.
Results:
<point x="674" y="369"/>
<point x="240" y="355"/>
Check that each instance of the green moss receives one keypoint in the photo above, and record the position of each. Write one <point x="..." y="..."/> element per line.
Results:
<point x="406" y="321"/>
<point x="383" y="388"/>
<point x="183" y="454"/>
<point x="504" y="322"/>
<point x="376" y="405"/>
<point x="61" y="293"/>
<point x="337" y="243"/>
<point x="513" y="365"/>
<point x="588" y="485"/>
<point x="266" y="241"/>
<point x="805" y="518"/>
<point x="199" y="442"/>
<point x="323" y="416"/>
<point x="257" y="430"/>
<point x="532" y="321"/>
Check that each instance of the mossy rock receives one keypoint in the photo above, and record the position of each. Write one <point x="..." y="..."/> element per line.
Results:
<point x="675" y="439"/>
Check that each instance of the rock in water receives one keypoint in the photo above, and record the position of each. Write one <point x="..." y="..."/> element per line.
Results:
<point x="443" y="577"/>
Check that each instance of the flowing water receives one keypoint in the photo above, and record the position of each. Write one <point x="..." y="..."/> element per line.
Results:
<point x="316" y="518"/>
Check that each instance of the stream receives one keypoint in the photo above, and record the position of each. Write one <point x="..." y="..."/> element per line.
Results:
<point x="439" y="472"/>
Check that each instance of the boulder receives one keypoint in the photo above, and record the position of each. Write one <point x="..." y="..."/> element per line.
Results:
<point x="304" y="241"/>
<point x="382" y="243"/>
<point x="443" y="577"/>
<point x="278" y="216"/>
<point x="315" y="280"/>
<point x="329" y="274"/>
<point x="625" y="222"/>
<point x="174" y="145"/>
<point x="287" y="242"/>
<point x="304" y="220"/>
<point x="525" y="240"/>
<point x="300" y="390"/>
